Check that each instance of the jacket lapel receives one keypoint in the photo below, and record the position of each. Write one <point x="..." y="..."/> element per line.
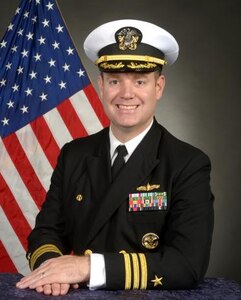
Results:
<point x="139" y="166"/>
<point x="99" y="168"/>
<point x="99" y="176"/>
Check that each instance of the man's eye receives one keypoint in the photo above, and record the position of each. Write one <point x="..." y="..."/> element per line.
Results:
<point x="113" y="82"/>
<point x="140" y="82"/>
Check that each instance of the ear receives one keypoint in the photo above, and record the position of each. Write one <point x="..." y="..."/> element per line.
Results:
<point x="160" y="84"/>
<point x="101" y="86"/>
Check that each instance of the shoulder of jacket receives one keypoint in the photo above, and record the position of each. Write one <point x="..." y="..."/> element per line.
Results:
<point x="86" y="142"/>
<point x="177" y="147"/>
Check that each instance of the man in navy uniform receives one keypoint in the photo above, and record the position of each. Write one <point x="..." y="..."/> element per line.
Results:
<point x="129" y="207"/>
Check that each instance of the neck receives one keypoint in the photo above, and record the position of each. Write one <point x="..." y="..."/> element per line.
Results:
<point x="125" y="134"/>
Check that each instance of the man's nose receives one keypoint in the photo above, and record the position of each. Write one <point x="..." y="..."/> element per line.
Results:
<point x="127" y="90"/>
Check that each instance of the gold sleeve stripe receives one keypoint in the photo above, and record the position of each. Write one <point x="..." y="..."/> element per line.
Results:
<point x="40" y="251"/>
<point x="143" y="268"/>
<point x="127" y="271"/>
<point x="136" y="271"/>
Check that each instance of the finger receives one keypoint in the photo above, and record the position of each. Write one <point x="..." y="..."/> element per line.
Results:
<point x="29" y="280"/>
<point x="41" y="269"/>
<point x="64" y="288"/>
<point x="47" y="290"/>
<point x="40" y="289"/>
<point x="56" y="288"/>
<point x="38" y="280"/>
<point x="39" y="277"/>
<point x="37" y="274"/>
<point x="75" y="286"/>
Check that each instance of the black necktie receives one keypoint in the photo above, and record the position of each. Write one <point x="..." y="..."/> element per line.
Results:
<point x="119" y="160"/>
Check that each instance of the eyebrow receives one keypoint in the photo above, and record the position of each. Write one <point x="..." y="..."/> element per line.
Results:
<point x="135" y="74"/>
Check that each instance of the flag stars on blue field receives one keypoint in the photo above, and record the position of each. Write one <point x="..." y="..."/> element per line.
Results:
<point x="8" y="66"/>
<point x="66" y="67"/>
<point x="34" y="19"/>
<point x="62" y="85"/>
<point x="15" y="88"/>
<point x="60" y="28"/>
<point x="24" y="53"/>
<point x="52" y="63"/>
<point x="41" y="40"/>
<point x="10" y="26"/>
<point x="33" y="75"/>
<point x="37" y="57"/>
<point x="55" y="45"/>
<point x="43" y="97"/>
<point x="47" y="79"/>
<point x="14" y="49"/>
<point x="26" y="14"/>
<point x="29" y="36"/>
<point x="20" y="70"/>
<point x="20" y="32"/>
<point x="50" y="5"/>
<point x="5" y="121"/>
<point x="17" y="12"/>
<point x="81" y="73"/>
<point x="24" y="109"/>
<point x="43" y="66"/>
<point x="10" y="104"/>
<point x="45" y="23"/>
<point x="3" y="44"/>
<point x="3" y="82"/>
<point x="70" y="51"/>
<point x="29" y="91"/>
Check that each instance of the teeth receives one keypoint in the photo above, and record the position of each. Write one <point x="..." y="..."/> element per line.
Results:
<point x="128" y="107"/>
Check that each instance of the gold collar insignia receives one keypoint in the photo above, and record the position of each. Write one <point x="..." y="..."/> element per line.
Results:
<point x="148" y="187"/>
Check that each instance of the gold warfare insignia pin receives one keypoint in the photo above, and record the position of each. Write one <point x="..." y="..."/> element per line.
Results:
<point x="79" y="197"/>
<point x="150" y="240"/>
<point x="148" y="187"/>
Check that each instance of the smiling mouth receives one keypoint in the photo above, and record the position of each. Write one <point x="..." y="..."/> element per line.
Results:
<point x="127" y="107"/>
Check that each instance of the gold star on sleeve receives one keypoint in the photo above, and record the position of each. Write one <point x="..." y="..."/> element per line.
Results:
<point x="157" y="281"/>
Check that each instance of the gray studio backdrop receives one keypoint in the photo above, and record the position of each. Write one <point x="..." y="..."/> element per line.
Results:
<point x="202" y="100"/>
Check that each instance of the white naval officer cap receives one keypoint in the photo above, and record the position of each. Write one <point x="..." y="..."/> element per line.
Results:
<point x="130" y="45"/>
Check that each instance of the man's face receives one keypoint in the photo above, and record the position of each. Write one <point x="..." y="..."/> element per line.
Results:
<point x="129" y="99"/>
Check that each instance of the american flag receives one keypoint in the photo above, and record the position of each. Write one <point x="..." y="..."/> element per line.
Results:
<point x="46" y="100"/>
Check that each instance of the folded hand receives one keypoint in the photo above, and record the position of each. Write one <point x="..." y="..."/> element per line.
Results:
<point x="57" y="274"/>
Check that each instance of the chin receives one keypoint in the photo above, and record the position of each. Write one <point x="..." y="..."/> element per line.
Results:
<point x="127" y="124"/>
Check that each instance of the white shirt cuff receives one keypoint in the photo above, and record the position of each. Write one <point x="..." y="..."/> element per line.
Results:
<point x="97" y="271"/>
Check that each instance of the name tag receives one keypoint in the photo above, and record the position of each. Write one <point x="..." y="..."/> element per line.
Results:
<point x="147" y="201"/>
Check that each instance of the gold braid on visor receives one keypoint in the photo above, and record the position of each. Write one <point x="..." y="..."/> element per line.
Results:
<point x="144" y="58"/>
